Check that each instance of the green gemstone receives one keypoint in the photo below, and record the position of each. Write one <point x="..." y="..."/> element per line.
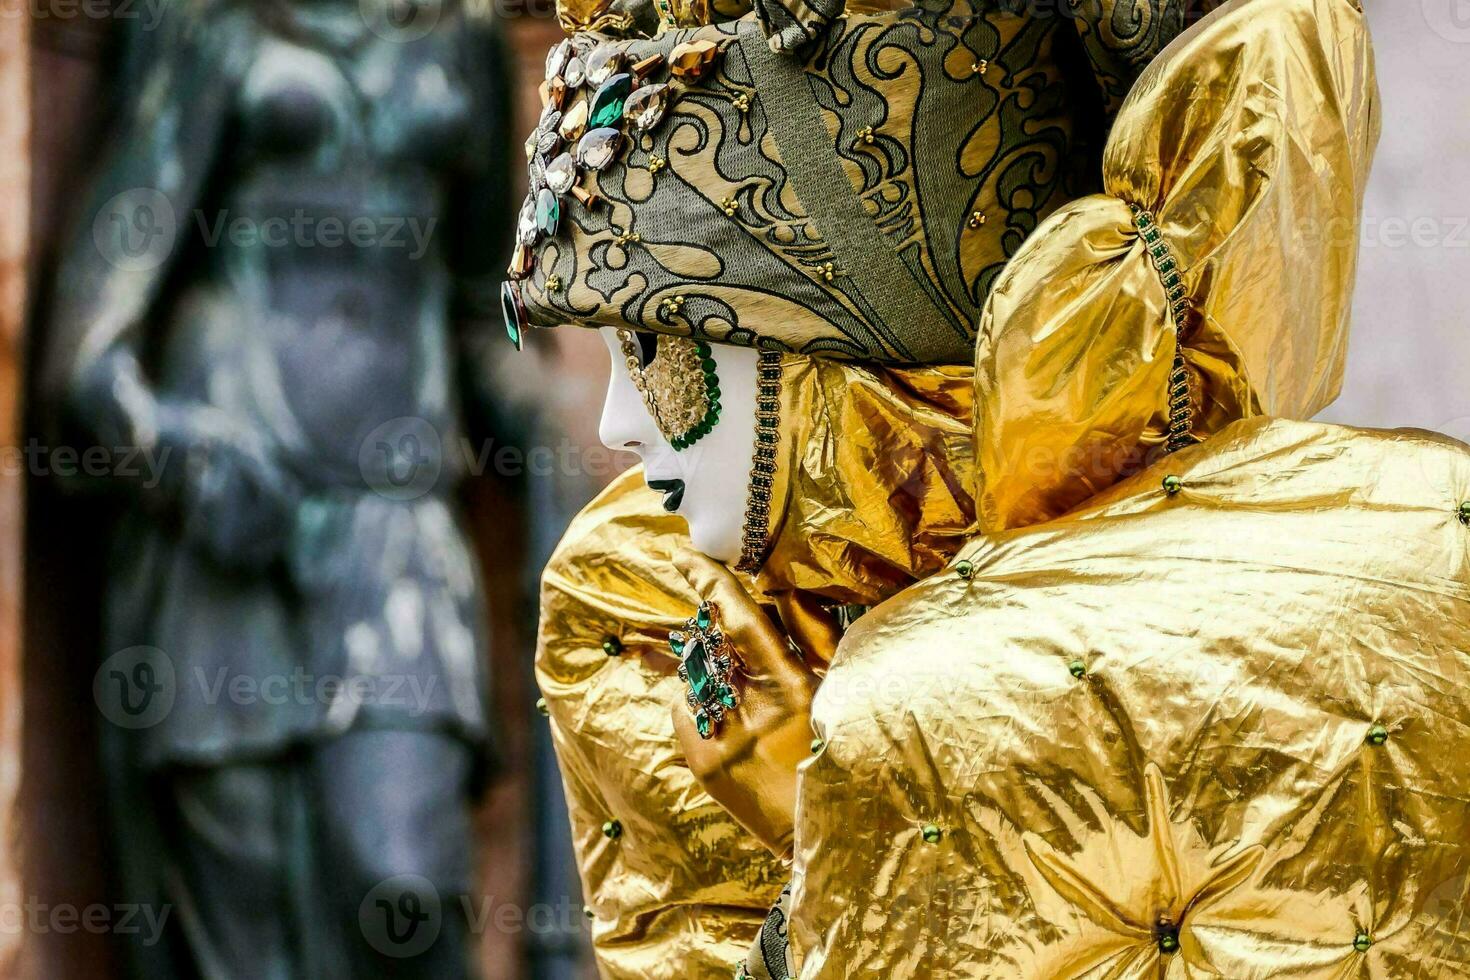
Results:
<point x="1362" y="942"/>
<point x="1169" y="943"/>
<point x="1377" y="735"/>
<point x="1078" y="668"/>
<point x="1172" y="484"/>
<point x="548" y="211"/>
<point x="704" y="724"/>
<point x="512" y="310"/>
<point x="607" y="103"/>
<point x="727" y="697"/>
<point x="818" y="745"/>
<point x="612" y="830"/>
<point x="676" y="643"/>
<point x="964" y="569"/>
<point x="932" y="833"/>
<point x="612" y="646"/>
<point x="702" y="616"/>
<point x="1465" y="512"/>
<point x="696" y="666"/>
<point x="541" y="706"/>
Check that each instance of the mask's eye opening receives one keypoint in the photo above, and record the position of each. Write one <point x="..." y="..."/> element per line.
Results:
<point x="647" y="347"/>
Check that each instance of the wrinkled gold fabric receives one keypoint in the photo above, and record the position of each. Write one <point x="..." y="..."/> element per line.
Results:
<point x="878" y="463"/>
<point x="875" y="473"/>
<point x="684" y="889"/>
<point x="1213" y="765"/>
<point x="1249" y="139"/>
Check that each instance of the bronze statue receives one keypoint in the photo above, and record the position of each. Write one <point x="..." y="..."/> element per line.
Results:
<point x="278" y="286"/>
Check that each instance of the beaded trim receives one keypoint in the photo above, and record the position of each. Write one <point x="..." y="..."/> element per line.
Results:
<point x="1181" y="405"/>
<point x="763" y="471"/>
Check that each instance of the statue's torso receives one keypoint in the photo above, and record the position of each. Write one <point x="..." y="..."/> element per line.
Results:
<point x="318" y="304"/>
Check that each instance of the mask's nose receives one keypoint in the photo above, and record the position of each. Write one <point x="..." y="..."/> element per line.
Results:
<point x="626" y="423"/>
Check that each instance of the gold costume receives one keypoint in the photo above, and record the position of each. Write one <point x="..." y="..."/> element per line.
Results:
<point x="1195" y="713"/>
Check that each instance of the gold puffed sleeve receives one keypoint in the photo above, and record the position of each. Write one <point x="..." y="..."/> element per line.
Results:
<point x="674" y="886"/>
<point x="1234" y="178"/>
<point x="1218" y="732"/>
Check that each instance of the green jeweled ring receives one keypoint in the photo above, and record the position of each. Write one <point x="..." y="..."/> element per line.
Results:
<point x="705" y="666"/>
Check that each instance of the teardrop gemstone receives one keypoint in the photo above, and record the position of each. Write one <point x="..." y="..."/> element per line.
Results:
<point x="526" y="223"/>
<point x="607" y="104"/>
<point x="561" y="174"/>
<point x="574" y="122"/>
<point x="645" y="107"/>
<point x="603" y="63"/>
<point x="548" y="211"/>
<point x="557" y="58"/>
<point x="598" y="148"/>
<point x="575" y="72"/>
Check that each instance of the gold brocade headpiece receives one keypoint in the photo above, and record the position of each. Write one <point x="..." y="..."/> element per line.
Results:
<point x="676" y="377"/>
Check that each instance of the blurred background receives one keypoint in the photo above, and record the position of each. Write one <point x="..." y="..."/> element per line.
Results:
<point x="71" y="69"/>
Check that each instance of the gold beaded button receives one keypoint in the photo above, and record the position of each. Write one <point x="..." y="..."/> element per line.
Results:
<point x="977" y="219"/>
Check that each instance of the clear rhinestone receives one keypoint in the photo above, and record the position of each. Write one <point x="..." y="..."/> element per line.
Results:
<point x="575" y="72"/>
<point x="557" y="58"/>
<point x="526" y="223"/>
<point x="599" y="148"/>
<point x="646" y="106"/>
<point x="561" y="174"/>
<point x="603" y="63"/>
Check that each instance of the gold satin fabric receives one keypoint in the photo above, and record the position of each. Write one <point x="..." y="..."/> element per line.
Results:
<point x="873" y="495"/>
<point x="1214" y="764"/>
<point x="1249" y="139"/>
<point x="874" y="478"/>
<point x="684" y="889"/>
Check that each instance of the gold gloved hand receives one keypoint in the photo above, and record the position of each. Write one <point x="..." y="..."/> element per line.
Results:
<point x="748" y="764"/>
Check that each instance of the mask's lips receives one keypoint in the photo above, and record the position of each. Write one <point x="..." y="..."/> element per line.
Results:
<point x="673" y="491"/>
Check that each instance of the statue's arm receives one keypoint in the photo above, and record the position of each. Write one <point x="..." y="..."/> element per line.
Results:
<point x="131" y="237"/>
